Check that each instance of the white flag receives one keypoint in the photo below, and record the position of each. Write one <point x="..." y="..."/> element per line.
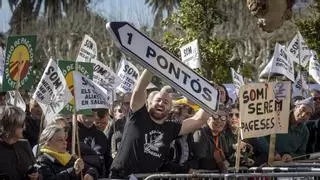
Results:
<point x="280" y="63"/>
<point x="88" y="50"/>
<point x="88" y="94"/>
<point x="10" y="96"/>
<point x="52" y="92"/>
<point x="2" y="53"/>
<point x="190" y="54"/>
<point x="314" y="67"/>
<point x="104" y="76"/>
<point x="129" y="74"/>
<point x="300" y="85"/>
<point x="237" y="80"/>
<point x="296" y="46"/>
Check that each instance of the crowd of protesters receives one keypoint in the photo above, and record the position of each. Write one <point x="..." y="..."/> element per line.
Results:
<point x="151" y="131"/>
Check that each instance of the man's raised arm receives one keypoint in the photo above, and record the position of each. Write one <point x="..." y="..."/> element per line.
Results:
<point x="138" y="98"/>
<point x="195" y="122"/>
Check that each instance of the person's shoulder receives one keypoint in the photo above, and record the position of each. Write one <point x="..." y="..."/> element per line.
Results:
<point x="23" y="143"/>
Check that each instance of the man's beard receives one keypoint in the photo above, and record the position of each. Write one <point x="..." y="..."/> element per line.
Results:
<point x="157" y="116"/>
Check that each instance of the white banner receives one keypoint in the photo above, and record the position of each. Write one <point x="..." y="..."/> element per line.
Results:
<point x="129" y="74"/>
<point x="2" y="53"/>
<point x="300" y="86"/>
<point x="314" y="67"/>
<point x="264" y="108"/>
<point x="237" y="80"/>
<point x="190" y="54"/>
<point x="52" y="92"/>
<point x="10" y="96"/>
<point x="88" y="94"/>
<point x="88" y="50"/>
<point x="296" y="46"/>
<point x="280" y="63"/>
<point x="104" y="76"/>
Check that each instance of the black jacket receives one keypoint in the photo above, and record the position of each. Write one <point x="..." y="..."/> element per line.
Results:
<point x="15" y="159"/>
<point x="51" y="169"/>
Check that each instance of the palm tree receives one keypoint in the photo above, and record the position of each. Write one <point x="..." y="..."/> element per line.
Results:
<point x="161" y="6"/>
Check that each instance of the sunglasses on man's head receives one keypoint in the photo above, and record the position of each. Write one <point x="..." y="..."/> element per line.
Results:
<point x="219" y="117"/>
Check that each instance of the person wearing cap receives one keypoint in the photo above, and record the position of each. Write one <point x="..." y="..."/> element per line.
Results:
<point x="93" y="146"/>
<point x="294" y="143"/>
<point x="181" y="154"/>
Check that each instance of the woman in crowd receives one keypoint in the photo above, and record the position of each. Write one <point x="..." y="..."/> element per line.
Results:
<point x="209" y="145"/>
<point x="55" y="162"/>
<point x="17" y="159"/>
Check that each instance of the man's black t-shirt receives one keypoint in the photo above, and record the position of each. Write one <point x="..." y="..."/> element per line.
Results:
<point x="144" y="146"/>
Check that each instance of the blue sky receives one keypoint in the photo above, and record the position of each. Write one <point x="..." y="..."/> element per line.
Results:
<point x="134" y="11"/>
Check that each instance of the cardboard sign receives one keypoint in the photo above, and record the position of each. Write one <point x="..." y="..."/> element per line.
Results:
<point x="280" y="63"/>
<point x="88" y="94"/>
<point x="129" y="75"/>
<point x="104" y="76"/>
<point x="163" y="64"/>
<point x="18" y="60"/>
<point x="298" y="46"/>
<point x="190" y="54"/>
<point x="88" y="50"/>
<point x="52" y="93"/>
<point x="67" y="67"/>
<point x="264" y="108"/>
<point x="237" y="80"/>
<point x="314" y="67"/>
<point x="10" y="96"/>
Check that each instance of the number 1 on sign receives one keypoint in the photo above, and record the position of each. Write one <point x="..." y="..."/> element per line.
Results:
<point x="129" y="38"/>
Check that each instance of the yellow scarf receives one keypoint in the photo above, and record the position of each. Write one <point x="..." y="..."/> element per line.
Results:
<point x="63" y="158"/>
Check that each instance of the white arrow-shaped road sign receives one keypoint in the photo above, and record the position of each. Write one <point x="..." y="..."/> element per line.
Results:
<point x="160" y="62"/>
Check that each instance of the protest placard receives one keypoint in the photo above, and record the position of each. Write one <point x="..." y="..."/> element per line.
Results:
<point x="52" y="93"/>
<point x="19" y="57"/>
<point x="190" y="54"/>
<point x="129" y="74"/>
<point x="237" y="80"/>
<point x="67" y="67"/>
<point x="10" y="96"/>
<point x="88" y="94"/>
<point x="299" y="51"/>
<point x="280" y="63"/>
<point x="314" y="67"/>
<point x="300" y="86"/>
<point x="264" y="108"/>
<point x="104" y="76"/>
<point x="88" y="50"/>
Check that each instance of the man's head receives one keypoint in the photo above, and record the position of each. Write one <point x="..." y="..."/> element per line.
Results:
<point x="35" y="109"/>
<point x="102" y="121"/>
<point x="159" y="106"/>
<point x="87" y="119"/>
<point x="303" y="110"/>
<point x="218" y="120"/>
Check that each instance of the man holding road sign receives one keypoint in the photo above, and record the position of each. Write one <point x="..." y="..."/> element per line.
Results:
<point x="145" y="143"/>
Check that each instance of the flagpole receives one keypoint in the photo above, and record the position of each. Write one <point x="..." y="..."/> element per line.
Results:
<point x="18" y="81"/>
<point x="299" y="69"/>
<point x="75" y="130"/>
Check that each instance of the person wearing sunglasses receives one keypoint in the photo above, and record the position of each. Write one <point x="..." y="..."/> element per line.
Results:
<point x="115" y="129"/>
<point x="209" y="144"/>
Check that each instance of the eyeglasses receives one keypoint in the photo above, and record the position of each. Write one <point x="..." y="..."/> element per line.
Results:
<point x="231" y="115"/>
<point x="118" y="110"/>
<point x="220" y="117"/>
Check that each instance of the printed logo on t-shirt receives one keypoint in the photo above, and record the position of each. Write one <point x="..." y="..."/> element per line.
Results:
<point x="153" y="142"/>
<point x="90" y="141"/>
